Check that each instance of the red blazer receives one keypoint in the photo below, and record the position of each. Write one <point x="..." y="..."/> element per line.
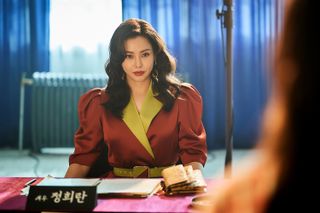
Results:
<point x="177" y="135"/>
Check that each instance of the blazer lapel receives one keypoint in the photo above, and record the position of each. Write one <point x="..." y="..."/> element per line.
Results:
<point x="150" y="108"/>
<point x="139" y="123"/>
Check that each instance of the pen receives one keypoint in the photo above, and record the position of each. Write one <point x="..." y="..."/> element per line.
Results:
<point x="30" y="182"/>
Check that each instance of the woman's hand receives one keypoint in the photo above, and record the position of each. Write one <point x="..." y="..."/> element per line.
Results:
<point x="196" y="165"/>
<point x="77" y="171"/>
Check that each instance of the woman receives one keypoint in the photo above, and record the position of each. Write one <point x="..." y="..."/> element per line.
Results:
<point x="146" y="119"/>
<point x="279" y="180"/>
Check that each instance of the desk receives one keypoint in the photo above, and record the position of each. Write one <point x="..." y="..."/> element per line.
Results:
<point x="11" y="200"/>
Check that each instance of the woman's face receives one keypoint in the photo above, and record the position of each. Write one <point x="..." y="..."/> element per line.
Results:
<point x="139" y="60"/>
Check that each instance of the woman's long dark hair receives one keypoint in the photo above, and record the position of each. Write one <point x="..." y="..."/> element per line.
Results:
<point x="164" y="83"/>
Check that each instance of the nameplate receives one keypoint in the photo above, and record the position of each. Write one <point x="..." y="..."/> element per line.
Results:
<point x="62" y="198"/>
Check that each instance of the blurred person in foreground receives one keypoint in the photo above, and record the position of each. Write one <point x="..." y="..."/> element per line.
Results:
<point x="278" y="178"/>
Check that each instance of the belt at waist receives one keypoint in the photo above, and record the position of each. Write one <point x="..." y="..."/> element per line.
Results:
<point x="137" y="171"/>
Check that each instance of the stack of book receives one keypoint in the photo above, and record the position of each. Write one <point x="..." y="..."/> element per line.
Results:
<point x="181" y="179"/>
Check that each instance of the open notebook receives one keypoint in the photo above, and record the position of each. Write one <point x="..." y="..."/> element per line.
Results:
<point x="128" y="187"/>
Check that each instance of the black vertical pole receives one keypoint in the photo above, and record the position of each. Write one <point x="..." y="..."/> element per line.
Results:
<point x="227" y="14"/>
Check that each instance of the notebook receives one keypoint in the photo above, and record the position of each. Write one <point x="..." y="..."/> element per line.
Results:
<point x="129" y="187"/>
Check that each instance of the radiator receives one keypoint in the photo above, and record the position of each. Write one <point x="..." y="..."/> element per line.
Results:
<point x="54" y="101"/>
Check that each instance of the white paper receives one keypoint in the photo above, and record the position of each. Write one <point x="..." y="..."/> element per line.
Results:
<point x="69" y="182"/>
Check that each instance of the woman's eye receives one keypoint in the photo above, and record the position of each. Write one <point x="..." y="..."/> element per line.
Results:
<point x="145" y="54"/>
<point x="129" y="56"/>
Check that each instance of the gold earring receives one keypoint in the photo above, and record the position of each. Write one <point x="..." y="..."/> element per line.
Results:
<point x="155" y="74"/>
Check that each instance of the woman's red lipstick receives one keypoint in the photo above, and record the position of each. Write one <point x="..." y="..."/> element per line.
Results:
<point x="138" y="73"/>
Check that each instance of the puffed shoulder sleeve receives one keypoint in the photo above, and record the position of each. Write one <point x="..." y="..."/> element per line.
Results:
<point x="192" y="135"/>
<point x="89" y="136"/>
